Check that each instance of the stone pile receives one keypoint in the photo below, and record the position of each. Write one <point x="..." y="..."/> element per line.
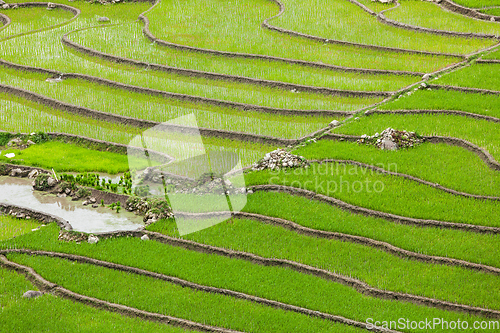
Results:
<point x="383" y="1"/>
<point x="391" y="139"/>
<point x="280" y="158"/>
<point x="67" y="236"/>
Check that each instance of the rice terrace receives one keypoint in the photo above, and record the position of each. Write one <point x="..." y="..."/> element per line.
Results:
<point x="250" y="166"/>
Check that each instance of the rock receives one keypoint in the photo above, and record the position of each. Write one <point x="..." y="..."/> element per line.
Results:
<point x="21" y="215"/>
<point x="426" y="76"/>
<point x="29" y="218"/>
<point x="95" y="205"/>
<point x="15" y="142"/>
<point x="30" y="143"/>
<point x="92" y="200"/>
<point x="387" y="144"/>
<point x="51" y="5"/>
<point x="10" y="155"/>
<point x="93" y="239"/>
<point x="32" y="294"/>
<point x="5" y="6"/>
<point x="279" y="158"/>
<point x="51" y="182"/>
<point x="15" y="172"/>
<point x="103" y="19"/>
<point x="2" y="2"/>
<point x="145" y="237"/>
<point x="85" y="203"/>
<point x="67" y="191"/>
<point x="492" y="19"/>
<point x="334" y="123"/>
<point x="33" y="174"/>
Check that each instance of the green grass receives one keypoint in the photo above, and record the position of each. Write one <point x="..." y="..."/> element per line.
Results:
<point x="492" y="11"/>
<point x="478" y="3"/>
<point x="128" y="41"/>
<point x="335" y="22"/>
<point x="46" y="313"/>
<point x="473" y="247"/>
<point x="269" y="282"/>
<point x="459" y="169"/>
<point x="495" y="55"/>
<point x="391" y="194"/>
<point x="488" y="105"/>
<point x="484" y="76"/>
<point x="480" y="132"/>
<point x="25" y="20"/>
<point x="45" y="50"/>
<point x="142" y="106"/>
<point x="240" y="31"/>
<point x="27" y="117"/>
<point x="378" y="269"/>
<point x="69" y="157"/>
<point x="434" y="17"/>
<point x="12" y="227"/>
<point x="166" y="298"/>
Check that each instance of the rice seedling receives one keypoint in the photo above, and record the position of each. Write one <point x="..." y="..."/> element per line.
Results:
<point x="159" y="109"/>
<point x="480" y="132"/>
<point x="391" y="194"/>
<point x="45" y="50"/>
<point x="459" y="169"/>
<point x="335" y="22"/>
<point x="243" y="19"/>
<point x="269" y="282"/>
<point x="29" y="117"/>
<point x="27" y="19"/>
<point x="384" y="271"/>
<point x="169" y="299"/>
<point x="434" y="17"/>
<point x="491" y="11"/>
<point x="484" y="76"/>
<point x="431" y="241"/>
<point x="484" y="104"/>
<point x="64" y="157"/>
<point x="23" y="315"/>
<point x="13" y="227"/>
<point x="129" y="42"/>
<point x="477" y="3"/>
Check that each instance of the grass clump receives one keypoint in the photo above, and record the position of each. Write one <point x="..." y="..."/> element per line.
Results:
<point x="484" y="76"/>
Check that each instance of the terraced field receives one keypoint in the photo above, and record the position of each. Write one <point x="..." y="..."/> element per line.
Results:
<point x="348" y="238"/>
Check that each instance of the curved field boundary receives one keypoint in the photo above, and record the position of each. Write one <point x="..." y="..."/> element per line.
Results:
<point x="221" y="77"/>
<point x="75" y="11"/>
<point x="141" y="123"/>
<point x="450" y="112"/>
<point x="454" y="7"/>
<point x="382" y="18"/>
<point x="5" y="20"/>
<point x="365" y="241"/>
<point x="488" y="61"/>
<point x="38" y="215"/>
<point x="152" y="38"/>
<point x="50" y="287"/>
<point x="267" y="25"/>
<point x="175" y="96"/>
<point x="482" y="153"/>
<point x="358" y="285"/>
<point x="374" y="213"/>
<point x="409" y="177"/>
<point x="464" y="89"/>
<point x="195" y="286"/>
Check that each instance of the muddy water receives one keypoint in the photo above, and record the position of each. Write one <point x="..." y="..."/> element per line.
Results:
<point x="18" y="191"/>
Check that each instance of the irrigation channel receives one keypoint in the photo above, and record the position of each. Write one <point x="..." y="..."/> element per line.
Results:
<point x="19" y="191"/>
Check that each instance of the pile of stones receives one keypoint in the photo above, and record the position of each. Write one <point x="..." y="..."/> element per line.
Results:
<point x="19" y="215"/>
<point x="67" y="236"/>
<point x="153" y="209"/>
<point x="280" y="158"/>
<point x="391" y="139"/>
